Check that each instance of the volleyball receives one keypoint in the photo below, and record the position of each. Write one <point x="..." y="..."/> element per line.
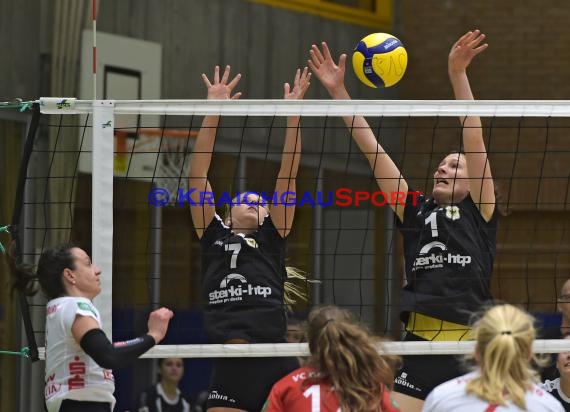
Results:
<point x="379" y="60"/>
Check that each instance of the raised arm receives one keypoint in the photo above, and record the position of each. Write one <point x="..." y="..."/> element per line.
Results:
<point x="388" y="176"/>
<point x="87" y="333"/>
<point x="282" y="214"/>
<point x="203" y="212"/>
<point x="481" y="184"/>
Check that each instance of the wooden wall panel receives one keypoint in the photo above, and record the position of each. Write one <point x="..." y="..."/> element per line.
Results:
<point x="533" y="258"/>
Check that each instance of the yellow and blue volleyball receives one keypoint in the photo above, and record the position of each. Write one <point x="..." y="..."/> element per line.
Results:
<point x="379" y="60"/>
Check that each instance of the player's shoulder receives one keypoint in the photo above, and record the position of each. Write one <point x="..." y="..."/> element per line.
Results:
<point x="454" y="386"/>
<point x="451" y="395"/>
<point x="71" y="304"/>
<point x="544" y="397"/>
<point x="215" y="227"/>
<point x="298" y="376"/>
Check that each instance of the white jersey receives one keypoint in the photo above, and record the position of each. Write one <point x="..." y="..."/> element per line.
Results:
<point x="553" y="387"/>
<point x="70" y="372"/>
<point x="450" y="396"/>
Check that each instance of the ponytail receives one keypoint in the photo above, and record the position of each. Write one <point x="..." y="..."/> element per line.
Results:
<point x="345" y="353"/>
<point x="48" y="275"/>
<point x="504" y="335"/>
<point x="296" y="286"/>
<point x="25" y="279"/>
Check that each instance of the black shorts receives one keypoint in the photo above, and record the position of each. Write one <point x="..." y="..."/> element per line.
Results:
<point x="245" y="383"/>
<point x="419" y="374"/>
<point x="69" y="405"/>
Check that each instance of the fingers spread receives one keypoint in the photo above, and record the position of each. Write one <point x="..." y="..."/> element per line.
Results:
<point x="342" y="61"/>
<point x="312" y="66"/>
<point x="234" y="81"/>
<point x="226" y="75"/>
<point x="326" y="51"/>
<point x="206" y="80"/>
<point x="216" y="74"/>
<point x="316" y="55"/>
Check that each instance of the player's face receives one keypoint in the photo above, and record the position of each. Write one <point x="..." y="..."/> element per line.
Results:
<point x="451" y="180"/>
<point x="172" y="369"/>
<point x="249" y="214"/>
<point x="294" y="333"/>
<point x="86" y="275"/>
<point x="563" y="365"/>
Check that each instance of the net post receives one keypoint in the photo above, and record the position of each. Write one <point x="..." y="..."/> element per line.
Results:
<point x="102" y="206"/>
<point x="155" y="233"/>
<point x="317" y="287"/>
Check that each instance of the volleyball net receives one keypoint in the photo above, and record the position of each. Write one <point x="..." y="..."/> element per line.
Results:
<point x="113" y="177"/>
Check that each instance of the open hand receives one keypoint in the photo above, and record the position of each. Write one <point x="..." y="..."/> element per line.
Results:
<point x="327" y="71"/>
<point x="300" y="85"/>
<point x="468" y="46"/>
<point x="221" y="89"/>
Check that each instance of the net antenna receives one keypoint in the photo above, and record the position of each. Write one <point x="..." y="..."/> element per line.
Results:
<point x="94" y="20"/>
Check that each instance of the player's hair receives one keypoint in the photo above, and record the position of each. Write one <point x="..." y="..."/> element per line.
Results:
<point x="504" y="336"/>
<point x="344" y="353"/>
<point x="161" y="362"/>
<point x="48" y="274"/>
<point x="296" y="283"/>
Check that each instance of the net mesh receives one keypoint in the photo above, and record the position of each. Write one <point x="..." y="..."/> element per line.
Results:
<point x="352" y="250"/>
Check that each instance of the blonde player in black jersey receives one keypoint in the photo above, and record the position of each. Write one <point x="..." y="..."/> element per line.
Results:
<point x="243" y="261"/>
<point x="449" y="240"/>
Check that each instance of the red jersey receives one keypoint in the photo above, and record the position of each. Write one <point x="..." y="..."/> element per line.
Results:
<point x="289" y="394"/>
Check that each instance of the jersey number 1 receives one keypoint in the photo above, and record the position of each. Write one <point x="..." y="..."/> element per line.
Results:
<point x="432" y="221"/>
<point x="314" y="392"/>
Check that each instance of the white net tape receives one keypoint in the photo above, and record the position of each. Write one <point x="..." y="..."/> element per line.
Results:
<point x="302" y="349"/>
<point x="331" y="108"/>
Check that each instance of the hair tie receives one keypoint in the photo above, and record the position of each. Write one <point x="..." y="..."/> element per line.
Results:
<point x="328" y="321"/>
<point x="506" y="332"/>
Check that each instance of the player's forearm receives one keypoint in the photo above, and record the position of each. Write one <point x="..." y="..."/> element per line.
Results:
<point x="117" y="355"/>
<point x="339" y="92"/>
<point x="203" y="148"/>
<point x="291" y="150"/>
<point x="462" y="91"/>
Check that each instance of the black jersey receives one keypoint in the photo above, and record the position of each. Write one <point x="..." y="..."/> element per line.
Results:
<point x="553" y="387"/>
<point x="449" y="253"/>
<point x="243" y="283"/>
<point x="155" y="400"/>
<point x="549" y="371"/>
